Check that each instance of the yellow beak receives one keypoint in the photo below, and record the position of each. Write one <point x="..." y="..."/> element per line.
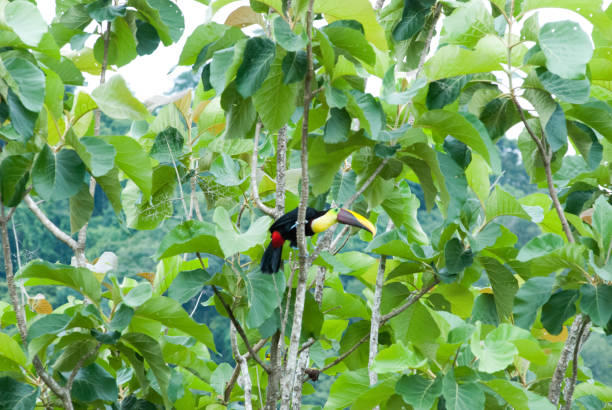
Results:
<point x="348" y="217"/>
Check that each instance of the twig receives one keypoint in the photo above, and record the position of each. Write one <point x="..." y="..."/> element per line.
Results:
<point x="281" y="171"/>
<point x="254" y="190"/>
<point x="306" y="345"/>
<point x="241" y="363"/>
<point x="311" y="372"/>
<point x="232" y="381"/>
<point x="80" y="364"/>
<point x="375" y="319"/>
<point x="195" y="307"/>
<point x="233" y="319"/>
<point x="51" y="227"/>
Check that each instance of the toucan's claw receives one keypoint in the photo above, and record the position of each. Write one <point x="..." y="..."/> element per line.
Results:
<point x="348" y="217"/>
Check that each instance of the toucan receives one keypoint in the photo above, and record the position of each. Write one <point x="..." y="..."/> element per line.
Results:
<point x="285" y="229"/>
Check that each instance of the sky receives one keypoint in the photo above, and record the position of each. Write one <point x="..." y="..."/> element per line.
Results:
<point x="152" y="75"/>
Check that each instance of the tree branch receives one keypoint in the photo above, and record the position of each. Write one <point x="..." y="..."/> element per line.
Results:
<point x="57" y="232"/>
<point x="241" y="364"/>
<point x="281" y="171"/>
<point x="571" y="383"/>
<point x="254" y="190"/>
<point x="235" y="322"/>
<point x="300" y="293"/>
<point x="80" y="364"/>
<point x="232" y="381"/>
<point x="314" y="373"/>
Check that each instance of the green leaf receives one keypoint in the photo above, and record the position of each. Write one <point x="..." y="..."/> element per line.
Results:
<point x="456" y="256"/>
<point x="495" y="353"/>
<point x="359" y="10"/>
<point x="499" y="115"/>
<point x="133" y="160"/>
<point x="223" y="67"/>
<point x="265" y="293"/>
<point x="48" y="324"/>
<point x="353" y="41"/>
<point x="81" y="208"/>
<point x="14" y="174"/>
<point x="419" y="392"/>
<point x="259" y="54"/>
<point x="529" y="298"/>
<point x="595" y="114"/>
<point x="285" y="37"/>
<point x="451" y="123"/>
<point x="147" y="214"/>
<point x="352" y="389"/>
<point x="220" y="377"/>
<point x="515" y="395"/>
<point x="190" y="236"/>
<point x="104" y="10"/>
<point x="171" y="314"/>
<point x="73" y="353"/>
<point x="26" y="21"/>
<point x="94" y="383"/>
<point x="17" y="395"/>
<point x="572" y="91"/>
<point x="45" y="273"/>
<point x="369" y="111"/>
<point x="97" y="154"/>
<point x="294" y="67"/>
<point x="168" y="146"/>
<point x="22" y="119"/>
<point x="567" y="48"/>
<point x="560" y="307"/>
<point x="203" y="35"/>
<point x="467" y="24"/>
<point x="28" y="81"/>
<point x="602" y="225"/>
<point x="412" y="21"/>
<point x="445" y="91"/>
<point x="164" y="15"/>
<point x="397" y="358"/>
<point x="337" y="126"/>
<point x="503" y="283"/>
<point x="58" y="176"/>
<point x="138" y="295"/>
<point x="11" y="350"/>
<point x="187" y="284"/>
<point x="226" y="171"/>
<point x="461" y="396"/>
<point x="273" y="90"/>
<point x="146" y="37"/>
<point x="122" y="317"/>
<point x="232" y="242"/>
<point x="241" y="113"/>
<point x="116" y="100"/>
<point x="539" y="246"/>
<point x="596" y="301"/>
<point x="501" y="203"/>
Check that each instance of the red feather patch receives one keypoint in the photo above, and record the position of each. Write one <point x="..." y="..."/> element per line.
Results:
<point x="277" y="239"/>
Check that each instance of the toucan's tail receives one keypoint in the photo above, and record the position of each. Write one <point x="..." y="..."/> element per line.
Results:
<point x="271" y="260"/>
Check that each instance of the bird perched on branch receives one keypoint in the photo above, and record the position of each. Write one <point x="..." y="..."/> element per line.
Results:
<point x="285" y="229"/>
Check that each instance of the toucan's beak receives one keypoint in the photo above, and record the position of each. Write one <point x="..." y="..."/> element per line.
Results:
<point x="349" y="217"/>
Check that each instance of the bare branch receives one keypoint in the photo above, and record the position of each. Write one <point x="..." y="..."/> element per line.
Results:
<point x="254" y="190"/>
<point x="281" y="171"/>
<point x="232" y="381"/>
<point x="300" y="293"/>
<point x="367" y="183"/>
<point x="235" y="322"/>
<point x="375" y="319"/>
<point x="57" y="232"/>
<point x="570" y="383"/>
<point x="241" y="364"/>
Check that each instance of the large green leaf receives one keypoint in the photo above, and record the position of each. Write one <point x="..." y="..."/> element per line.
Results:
<point x="350" y="37"/>
<point x="286" y="38"/>
<point x="10" y="349"/>
<point x="190" y="236"/>
<point x="596" y="301"/>
<point x="466" y="396"/>
<point x="352" y="389"/>
<point x="539" y="246"/>
<point x="419" y="392"/>
<point x="44" y="273"/>
<point x="360" y="10"/>
<point x="445" y="91"/>
<point x="232" y="242"/>
<point x="502" y="203"/>
<point x="171" y="314"/>
<point x="258" y="57"/>
<point x="22" y="119"/>
<point x="241" y="113"/>
<point x="567" y="48"/>
<point x="132" y="159"/>
<point x="48" y="324"/>
<point x="203" y="35"/>
<point x="529" y="298"/>
<point x="602" y="225"/>
<point x="17" y="395"/>
<point x="397" y="358"/>
<point x="572" y="91"/>
<point x="14" y="174"/>
<point x="81" y="208"/>
<point x="27" y="80"/>
<point x="138" y="295"/>
<point x="104" y="10"/>
<point x="413" y="18"/>
<point x="494" y="354"/>
<point x="168" y="146"/>
<point x="117" y="101"/>
<point x="97" y="154"/>
<point x="275" y="115"/>
<point x="26" y="21"/>
<point x="164" y="15"/>
<point x="187" y="284"/>
<point x="58" y="176"/>
<point x="518" y="397"/>
<point x="467" y="24"/>
<point x="595" y="114"/>
<point x="149" y="349"/>
<point x="451" y="123"/>
<point x="265" y="293"/>
<point x="560" y="307"/>
<point x="503" y="283"/>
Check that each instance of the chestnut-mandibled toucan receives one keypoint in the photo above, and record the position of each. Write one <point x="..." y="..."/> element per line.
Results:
<point x="285" y="229"/>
